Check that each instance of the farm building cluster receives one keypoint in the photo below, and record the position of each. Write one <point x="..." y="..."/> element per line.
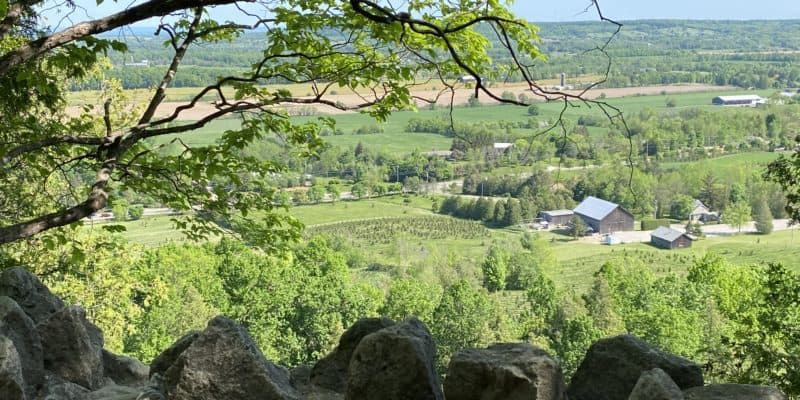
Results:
<point x="605" y="218"/>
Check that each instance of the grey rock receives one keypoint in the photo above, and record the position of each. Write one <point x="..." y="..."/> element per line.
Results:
<point x="124" y="370"/>
<point x="31" y="295"/>
<point x="165" y="360"/>
<point x="224" y="363"/>
<point x="395" y="363"/>
<point x="512" y="371"/>
<point x="73" y="347"/>
<point x="733" y="392"/>
<point x="12" y="385"/>
<point x="331" y="371"/>
<point x="655" y="385"/>
<point x="55" y="388"/>
<point x="20" y="329"/>
<point x="114" y="392"/>
<point x="612" y="367"/>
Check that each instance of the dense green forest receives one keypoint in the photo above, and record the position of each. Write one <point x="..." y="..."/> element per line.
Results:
<point x="748" y="54"/>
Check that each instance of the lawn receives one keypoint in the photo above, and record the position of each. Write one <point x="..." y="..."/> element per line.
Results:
<point x="579" y="261"/>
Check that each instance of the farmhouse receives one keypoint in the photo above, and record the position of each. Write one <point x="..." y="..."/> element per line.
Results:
<point x="746" y="100"/>
<point x="699" y="211"/>
<point x="557" y="217"/>
<point x="667" y="238"/>
<point x="604" y="216"/>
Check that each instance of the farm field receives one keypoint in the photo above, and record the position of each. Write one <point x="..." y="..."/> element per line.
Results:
<point x="394" y="138"/>
<point x="577" y="261"/>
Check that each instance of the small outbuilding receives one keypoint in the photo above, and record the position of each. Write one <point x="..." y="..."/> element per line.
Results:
<point x="668" y="238"/>
<point x="557" y="217"/>
<point x="604" y="216"/>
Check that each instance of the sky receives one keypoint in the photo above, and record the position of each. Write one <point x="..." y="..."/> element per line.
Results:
<point x="573" y="10"/>
<point x="552" y="10"/>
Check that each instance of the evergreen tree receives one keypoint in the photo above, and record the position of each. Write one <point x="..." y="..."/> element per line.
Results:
<point x="762" y="216"/>
<point x="577" y="227"/>
<point x="513" y="213"/>
<point x="499" y="212"/>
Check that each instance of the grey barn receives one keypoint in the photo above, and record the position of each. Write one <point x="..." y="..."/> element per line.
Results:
<point x="557" y="217"/>
<point x="604" y="216"/>
<point x="668" y="238"/>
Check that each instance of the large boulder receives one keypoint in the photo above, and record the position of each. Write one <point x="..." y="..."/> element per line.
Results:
<point x="224" y="363"/>
<point x="165" y="360"/>
<point x="73" y="347"/>
<point x="612" y="367"/>
<point x="733" y="392"/>
<point x="12" y="385"/>
<point x="504" y="371"/>
<point x="20" y="329"/>
<point x="55" y="388"/>
<point x="655" y="385"/>
<point x="26" y="289"/>
<point x="395" y="363"/>
<point x="331" y="371"/>
<point x="124" y="370"/>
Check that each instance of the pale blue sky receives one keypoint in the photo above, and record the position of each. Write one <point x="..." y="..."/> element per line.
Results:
<point x="557" y="10"/>
<point x="571" y="10"/>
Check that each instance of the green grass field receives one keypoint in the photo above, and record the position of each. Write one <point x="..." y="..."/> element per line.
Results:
<point x="395" y="139"/>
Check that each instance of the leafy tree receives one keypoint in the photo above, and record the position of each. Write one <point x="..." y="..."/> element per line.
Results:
<point x="737" y="214"/>
<point x="495" y="269"/>
<point x="359" y="190"/>
<point x="375" y="47"/>
<point x="316" y="193"/>
<point x="681" y="207"/>
<point x="762" y="216"/>
<point x="410" y="297"/>
<point x="136" y="211"/>
<point x="333" y="190"/>
<point x="465" y="317"/>
<point x="120" y="210"/>
<point x="533" y="109"/>
<point x="577" y="227"/>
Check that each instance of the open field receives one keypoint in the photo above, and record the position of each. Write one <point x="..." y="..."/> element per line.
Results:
<point x="458" y="97"/>
<point x="578" y="260"/>
<point x="394" y="138"/>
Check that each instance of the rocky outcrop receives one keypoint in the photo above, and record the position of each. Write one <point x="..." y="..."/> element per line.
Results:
<point x="20" y="330"/>
<point x="504" y="371"/>
<point x="655" y="385"/>
<point x="124" y="370"/>
<point x="12" y="385"/>
<point x="733" y="392"/>
<point x="52" y="352"/>
<point x="73" y="347"/>
<point x="31" y="295"/>
<point x="612" y="367"/>
<point x="55" y="388"/>
<point x="224" y="363"/>
<point x="331" y="372"/>
<point x="395" y="363"/>
<point x="167" y="357"/>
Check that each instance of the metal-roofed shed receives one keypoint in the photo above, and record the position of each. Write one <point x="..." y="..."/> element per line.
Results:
<point x="668" y="238"/>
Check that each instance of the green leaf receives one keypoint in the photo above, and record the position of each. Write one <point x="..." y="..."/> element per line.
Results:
<point x="3" y="8"/>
